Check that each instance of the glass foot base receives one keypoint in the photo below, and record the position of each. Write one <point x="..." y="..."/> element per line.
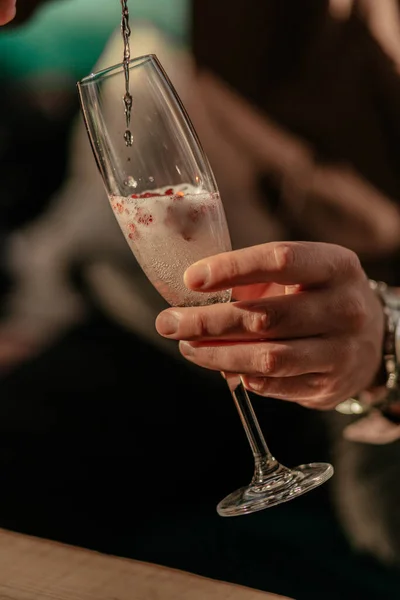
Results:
<point x="282" y="486"/>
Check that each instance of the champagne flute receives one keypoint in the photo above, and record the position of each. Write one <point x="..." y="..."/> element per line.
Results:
<point x="166" y="201"/>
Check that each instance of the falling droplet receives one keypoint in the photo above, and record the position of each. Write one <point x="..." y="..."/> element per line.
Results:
<point x="128" y="137"/>
<point x="151" y="179"/>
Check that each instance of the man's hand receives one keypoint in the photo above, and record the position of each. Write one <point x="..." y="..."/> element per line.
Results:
<point x="305" y="327"/>
<point x="7" y="11"/>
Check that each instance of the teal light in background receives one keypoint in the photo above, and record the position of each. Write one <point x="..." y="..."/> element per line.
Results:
<point x="68" y="36"/>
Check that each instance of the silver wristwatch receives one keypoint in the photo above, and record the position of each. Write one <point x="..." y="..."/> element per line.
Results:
<point x="386" y="399"/>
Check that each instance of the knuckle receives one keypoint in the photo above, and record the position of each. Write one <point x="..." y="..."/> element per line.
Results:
<point x="232" y="268"/>
<point x="322" y="392"/>
<point x="344" y="264"/>
<point x="329" y="401"/>
<point x="284" y="255"/>
<point x="350" y="263"/>
<point x="353" y="263"/>
<point x="333" y="267"/>
<point x="199" y="324"/>
<point x="274" y="362"/>
<point x="260" y="361"/>
<point x="258" y="321"/>
<point x="318" y="383"/>
<point x="326" y="390"/>
<point x="267" y="361"/>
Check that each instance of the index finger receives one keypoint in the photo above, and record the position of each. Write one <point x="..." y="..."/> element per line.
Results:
<point x="286" y="263"/>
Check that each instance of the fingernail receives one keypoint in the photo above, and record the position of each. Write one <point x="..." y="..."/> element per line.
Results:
<point x="256" y="384"/>
<point x="186" y="348"/>
<point x="167" y="323"/>
<point x="197" y="276"/>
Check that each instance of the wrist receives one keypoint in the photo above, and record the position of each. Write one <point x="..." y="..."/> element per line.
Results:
<point x="384" y="394"/>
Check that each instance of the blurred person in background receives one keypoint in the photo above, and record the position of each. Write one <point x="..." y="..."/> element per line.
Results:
<point x="308" y="128"/>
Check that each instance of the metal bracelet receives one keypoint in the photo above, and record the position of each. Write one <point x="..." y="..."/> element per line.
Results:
<point x="388" y="399"/>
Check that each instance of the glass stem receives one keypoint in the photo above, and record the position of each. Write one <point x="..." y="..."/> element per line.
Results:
<point x="264" y="462"/>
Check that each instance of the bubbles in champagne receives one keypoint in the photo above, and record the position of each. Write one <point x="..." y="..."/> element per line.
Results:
<point x="170" y="229"/>
<point x="131" y="182"/>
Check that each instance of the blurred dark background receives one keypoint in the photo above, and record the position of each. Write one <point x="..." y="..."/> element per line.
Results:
<point x="108" y="441"/>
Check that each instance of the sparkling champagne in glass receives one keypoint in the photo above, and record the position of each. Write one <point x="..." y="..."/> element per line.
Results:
<point x="163" y="193"/>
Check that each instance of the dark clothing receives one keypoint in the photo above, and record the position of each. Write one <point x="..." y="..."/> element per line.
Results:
<point x="326" y="81"/>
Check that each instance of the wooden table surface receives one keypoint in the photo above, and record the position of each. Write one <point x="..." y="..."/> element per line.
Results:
<point x="34" y="569"/>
